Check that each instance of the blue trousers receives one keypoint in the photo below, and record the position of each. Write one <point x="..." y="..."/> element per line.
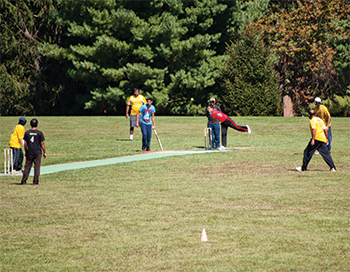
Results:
<point x="329" y="139"/>
<point x="215" y="135"/>
<point x="146" y="135"/>
<point x="17" y="158"/>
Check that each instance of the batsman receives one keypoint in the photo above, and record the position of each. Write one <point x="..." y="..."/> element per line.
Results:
<point x="225" y="123"/>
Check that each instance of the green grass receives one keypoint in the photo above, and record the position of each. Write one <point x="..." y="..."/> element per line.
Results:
<point x="258" y="213"/>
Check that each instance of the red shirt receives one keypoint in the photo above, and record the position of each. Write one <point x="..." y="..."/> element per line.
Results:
<point x="219" y="115"/>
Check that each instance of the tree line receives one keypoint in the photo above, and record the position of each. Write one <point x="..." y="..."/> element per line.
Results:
<point x="66" y="57"/>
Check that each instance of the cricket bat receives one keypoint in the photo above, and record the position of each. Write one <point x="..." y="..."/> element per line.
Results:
<point x="159" y="142"/>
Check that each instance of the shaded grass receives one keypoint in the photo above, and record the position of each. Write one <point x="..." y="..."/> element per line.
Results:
<point x="145" y="216"/>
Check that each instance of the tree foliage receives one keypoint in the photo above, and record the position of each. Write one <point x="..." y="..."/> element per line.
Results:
<point x="168" y="49"/>
<point x="250" y="81"/>
<point x="300" y="35"/>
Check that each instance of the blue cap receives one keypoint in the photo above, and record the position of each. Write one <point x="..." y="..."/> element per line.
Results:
<point x="22" y="119"/>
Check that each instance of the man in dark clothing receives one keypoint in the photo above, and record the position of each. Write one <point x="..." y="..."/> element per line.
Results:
<point x="33" y="144"/>
<point x="215" y="126"/>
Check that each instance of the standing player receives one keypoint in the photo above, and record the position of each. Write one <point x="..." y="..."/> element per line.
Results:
<point x="147" y="119"/>
<point x="318" y="142"/>
<point x="135" y="102"/>
<point x="323" y="113"/>
<point x="225" y="123"/>
<point x="215" y="126"/>
<point x="16" y="141"/>
<point x="33" y="144"/>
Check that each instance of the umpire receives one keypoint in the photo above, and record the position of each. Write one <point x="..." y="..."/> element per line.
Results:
<point x="33" y="144"/>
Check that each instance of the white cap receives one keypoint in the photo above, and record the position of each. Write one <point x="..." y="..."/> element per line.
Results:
<point x="317" y="100"/>
<point x="212" y="99"/>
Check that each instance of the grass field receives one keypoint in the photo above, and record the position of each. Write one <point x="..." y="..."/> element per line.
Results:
<point x="258" y="213"/>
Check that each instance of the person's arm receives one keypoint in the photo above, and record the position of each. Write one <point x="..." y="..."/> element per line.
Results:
<point x="325" y="129"/>
<point x="127" y="111"/>
<point x="329" y="121"/>
<point x="153" y="121"/>
<point x="25" y="147"/>
<point x="313" y="135"/>
<point x="137" y="119"/>
<point x="44" y="149"/>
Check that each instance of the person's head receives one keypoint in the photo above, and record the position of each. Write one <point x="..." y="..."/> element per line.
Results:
<point x="22" y="121"/>
<point x="311" y="114"/>
<point x="34" y="123"/>
<point x="136" y="92"/>
<point x="210" y="108"/>
<point x="212" y="101"/>
<point x="317" y="101"/>
<point x="149" y="101"/>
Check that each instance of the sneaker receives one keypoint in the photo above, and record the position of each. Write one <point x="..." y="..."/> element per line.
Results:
<point x="332" y="170"/>
<point x="298" y="168"/>
<point x="149" y="150"/>
<point x="249" y="130"/>
<point x="144" y="150"/>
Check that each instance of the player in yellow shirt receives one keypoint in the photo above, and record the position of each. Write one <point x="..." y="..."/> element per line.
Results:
<point x="134" y="102"/>
<point x="318" y="142"/>
<point x="16" y="141"/>
<point x="323" y="113"/>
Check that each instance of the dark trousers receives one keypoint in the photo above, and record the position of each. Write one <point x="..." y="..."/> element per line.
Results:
<point x="229" y="123"/>
<point x="146" y="135"/>
<point x="17" y="158"/>
<point x="322" y="149"/>
<point x="30" y="159"/>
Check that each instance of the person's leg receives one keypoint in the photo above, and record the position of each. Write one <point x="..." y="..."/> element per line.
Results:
<point x="211" y="135"/>
<point x="20" y="159"/>
<point x="144" y="136"/>
<point x="324" y="152"/>
<point x="27" y="167"/>
<point x="133" y="119"/>
<point x="308" y="153"/>
<point x="233" y="125"/>
<point x="224" y="135"/>
<point x="329" y="139"/>
<point x="17" y="165"/>
<point x="216" y="132"/>
<point x="149" y="136"/>
<point x="37" y="162"/>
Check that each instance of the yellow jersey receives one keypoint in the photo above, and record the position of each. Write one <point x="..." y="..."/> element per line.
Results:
<point x="317" y="123"/>
<point x="323" y="113"/>
<point x="17" y="136"/>
<point x="136" y="103"/>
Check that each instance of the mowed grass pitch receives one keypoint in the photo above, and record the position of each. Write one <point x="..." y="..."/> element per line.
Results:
<point x="149" y="215"/>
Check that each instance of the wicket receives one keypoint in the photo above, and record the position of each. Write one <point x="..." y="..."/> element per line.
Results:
<point x="8" y="159"/>
<point x="207" y="138"/>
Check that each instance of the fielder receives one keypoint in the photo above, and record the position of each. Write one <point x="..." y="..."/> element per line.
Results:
<point x="318" y="142"/>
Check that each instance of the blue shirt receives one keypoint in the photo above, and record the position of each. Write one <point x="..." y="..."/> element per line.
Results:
<point x="146" y="114"/>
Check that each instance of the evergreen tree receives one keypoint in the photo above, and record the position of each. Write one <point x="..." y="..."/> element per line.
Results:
<point x="168" y="49"/>
<point x="249" y="80"/>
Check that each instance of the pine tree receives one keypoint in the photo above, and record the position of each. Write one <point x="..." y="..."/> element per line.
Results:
<point x="168" y="49"/>
<point x="249" y="80"/>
